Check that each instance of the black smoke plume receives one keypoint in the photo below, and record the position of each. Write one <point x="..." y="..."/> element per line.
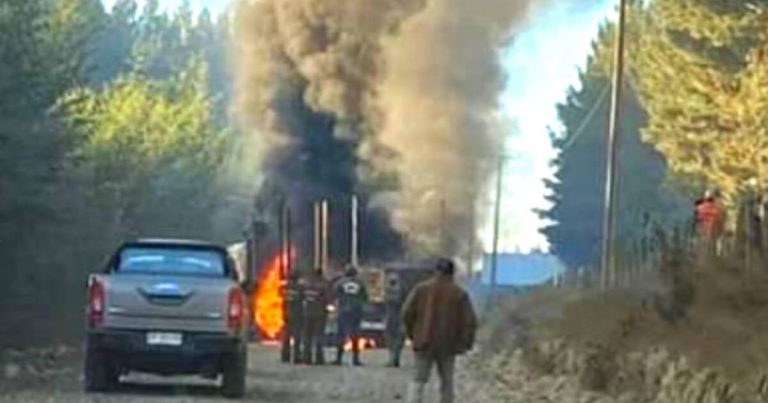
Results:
<point x="392" y="100"/>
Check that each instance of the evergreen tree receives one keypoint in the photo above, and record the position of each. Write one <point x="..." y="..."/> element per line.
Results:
<point x="99" y="141"/>
<point x="116" y="42"/>
<point x="42" y="52"/>
<point x="578" y="191"/>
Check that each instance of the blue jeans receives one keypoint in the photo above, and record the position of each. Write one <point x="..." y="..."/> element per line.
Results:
<point x="348" y="329"/>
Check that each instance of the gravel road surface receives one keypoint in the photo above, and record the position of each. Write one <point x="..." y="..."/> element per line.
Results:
<point x="268" y="381"/>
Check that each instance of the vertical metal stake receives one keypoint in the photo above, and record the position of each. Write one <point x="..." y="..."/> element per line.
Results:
<point x="288" y="243"/>
<point x="324" y="249"/>
<point x="281" y="237"/>
<point x="317" y="220"/>
<point x="354" y="236"/>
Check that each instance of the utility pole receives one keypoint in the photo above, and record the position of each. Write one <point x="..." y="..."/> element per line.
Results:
<point x="608" y="269"/>
<point x="496" y="222"/>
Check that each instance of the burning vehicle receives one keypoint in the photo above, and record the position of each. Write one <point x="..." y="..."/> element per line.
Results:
<point x="267" y="299"/>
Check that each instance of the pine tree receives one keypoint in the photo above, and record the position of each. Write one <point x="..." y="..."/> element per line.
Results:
<point x="578" y="191"/>
<point x="81" y="122"/>
<point x="42" y="52"/>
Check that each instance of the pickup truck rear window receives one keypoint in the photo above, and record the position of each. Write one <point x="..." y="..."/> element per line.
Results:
<point x="173" y="261"/>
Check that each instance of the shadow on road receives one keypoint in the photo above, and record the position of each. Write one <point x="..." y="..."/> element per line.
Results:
<point x="168" y="388"/>
<point x="172" y="388"/>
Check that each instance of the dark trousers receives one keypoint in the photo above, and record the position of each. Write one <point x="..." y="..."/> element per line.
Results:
<point x="349" y="329"/>
<point x="395" y="341"/>
<point x="445" y="367"/>
<point x="314" y="337"/>
<point x="292" y="338"/>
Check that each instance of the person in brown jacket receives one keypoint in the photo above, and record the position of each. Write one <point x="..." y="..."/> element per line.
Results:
<point x="441" y="323"/>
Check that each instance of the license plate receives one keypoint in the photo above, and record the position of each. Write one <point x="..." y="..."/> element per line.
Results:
<point x="164" y="339"/>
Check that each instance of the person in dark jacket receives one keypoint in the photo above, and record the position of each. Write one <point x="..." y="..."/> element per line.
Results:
<point x="441" y="324"/>
<point x="351" y="297"/>
<point x="293" y="294"/>
<point x="395" y="337"/>
<point x="316" y="300"/>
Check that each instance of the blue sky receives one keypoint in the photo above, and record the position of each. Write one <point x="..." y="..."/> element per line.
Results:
<point x="541" y="64"/>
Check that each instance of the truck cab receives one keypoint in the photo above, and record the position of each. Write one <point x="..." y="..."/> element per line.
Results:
<point x="167" y="307"/>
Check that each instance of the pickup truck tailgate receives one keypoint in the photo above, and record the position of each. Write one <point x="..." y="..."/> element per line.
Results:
<point x="136" y="301"/>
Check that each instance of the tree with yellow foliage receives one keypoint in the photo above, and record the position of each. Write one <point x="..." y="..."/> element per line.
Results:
<point x="150" y="149"/>
<point x="701" y="70"/>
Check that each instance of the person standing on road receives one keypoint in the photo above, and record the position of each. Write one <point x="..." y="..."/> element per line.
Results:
<point x="441" y="324"/>
<point x="351" y="296"/>
<point x="293" y="294"/>
<point x="395" y="337"/>
<point x="709" y="216"/>
<point x="316" y="299"/>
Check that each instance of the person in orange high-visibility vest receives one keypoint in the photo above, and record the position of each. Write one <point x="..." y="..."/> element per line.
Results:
<point x="710" y="220"/>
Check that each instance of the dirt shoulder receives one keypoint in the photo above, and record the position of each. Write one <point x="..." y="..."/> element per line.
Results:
<point x="703" y="334"/>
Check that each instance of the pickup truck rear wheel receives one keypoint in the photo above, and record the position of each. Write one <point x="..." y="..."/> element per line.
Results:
<point x="100" y="375"/>
<point x="234" y="372"/>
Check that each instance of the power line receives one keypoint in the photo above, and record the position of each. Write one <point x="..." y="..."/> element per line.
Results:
<point x="587" y="118"/>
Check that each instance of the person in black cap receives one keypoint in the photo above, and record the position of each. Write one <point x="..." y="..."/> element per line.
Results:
<point x="351" y="296"/>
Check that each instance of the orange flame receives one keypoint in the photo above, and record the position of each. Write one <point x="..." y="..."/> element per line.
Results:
<point x="268" y="300"/>
<point x="363" y="343"/>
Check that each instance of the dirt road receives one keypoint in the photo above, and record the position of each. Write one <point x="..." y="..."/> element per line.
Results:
<point x="268" y="381"/>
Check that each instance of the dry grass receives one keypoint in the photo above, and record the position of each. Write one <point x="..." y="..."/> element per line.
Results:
<point x="715" y="316"/>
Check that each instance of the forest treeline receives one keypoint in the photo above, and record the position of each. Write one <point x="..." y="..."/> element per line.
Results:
<point x="695" y="116"/>
<point x="113" y="124"/>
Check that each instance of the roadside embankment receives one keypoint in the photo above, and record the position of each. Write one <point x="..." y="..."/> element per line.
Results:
<point x="681" y="337"/>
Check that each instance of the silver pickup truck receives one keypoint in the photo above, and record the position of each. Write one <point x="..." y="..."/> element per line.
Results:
<point x="167" y="307"/>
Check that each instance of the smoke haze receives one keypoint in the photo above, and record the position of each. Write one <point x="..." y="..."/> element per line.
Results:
<point x="391" y="99"/>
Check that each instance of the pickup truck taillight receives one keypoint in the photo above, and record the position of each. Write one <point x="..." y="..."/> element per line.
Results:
<point x="236" y="309"/>
<point x="96" y="303"/>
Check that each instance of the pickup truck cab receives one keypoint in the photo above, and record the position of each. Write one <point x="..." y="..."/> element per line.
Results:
<point x="167" y="307"/>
